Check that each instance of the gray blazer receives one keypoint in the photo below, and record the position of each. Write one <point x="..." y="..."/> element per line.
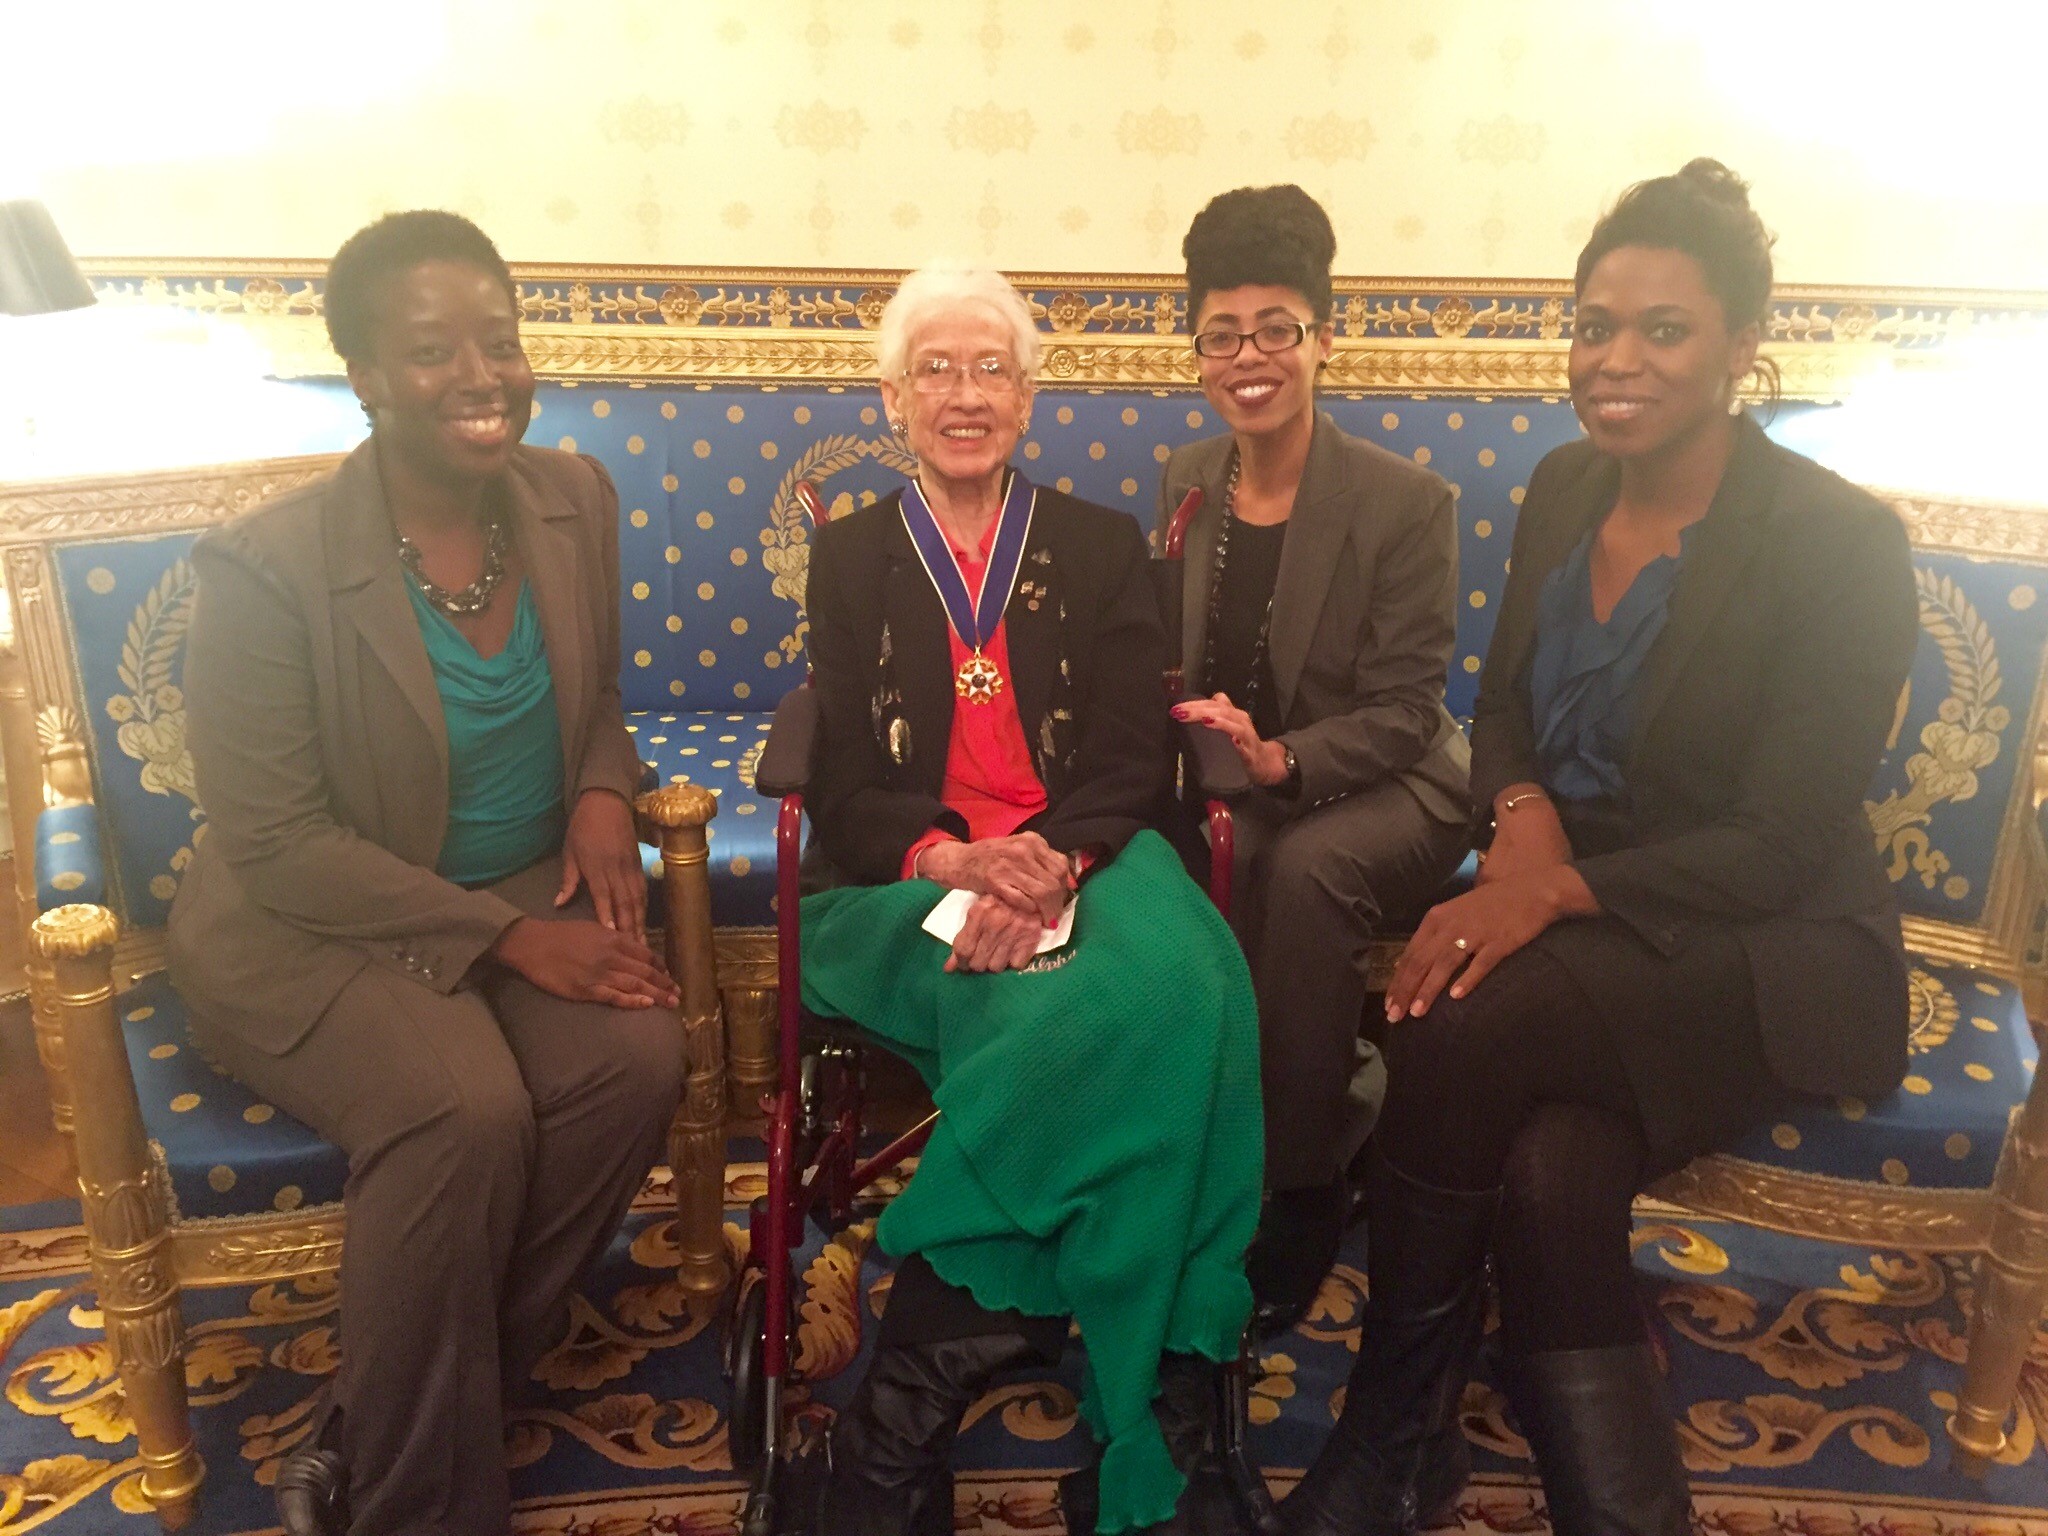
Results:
<point x="322" y="754"/>
<point x="1364" y="615"/>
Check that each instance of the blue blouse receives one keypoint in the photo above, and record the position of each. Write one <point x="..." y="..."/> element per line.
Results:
<point x="1582" y="678"/>
<point x="505" y="774"/>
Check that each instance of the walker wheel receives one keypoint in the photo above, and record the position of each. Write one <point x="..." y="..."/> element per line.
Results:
<point x="746" y="1348"/>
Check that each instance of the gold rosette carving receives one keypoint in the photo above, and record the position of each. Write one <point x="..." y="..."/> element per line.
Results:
<point x="73" y="931"/>
<point x="679" y="805"/>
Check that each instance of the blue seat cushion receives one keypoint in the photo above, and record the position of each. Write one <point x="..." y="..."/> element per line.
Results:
<point x="227" y="1152"/>
<point x="1973" y="1059"/>
<point x="717" y="750"/>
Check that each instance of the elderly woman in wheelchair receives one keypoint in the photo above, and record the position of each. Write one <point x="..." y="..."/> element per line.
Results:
<point x="991" y="732"/>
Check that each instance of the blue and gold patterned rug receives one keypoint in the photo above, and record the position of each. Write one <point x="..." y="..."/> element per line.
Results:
<point x="1809" y="1384"/>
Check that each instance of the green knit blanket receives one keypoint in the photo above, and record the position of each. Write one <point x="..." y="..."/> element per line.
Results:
<point x="1099" y="1148"/>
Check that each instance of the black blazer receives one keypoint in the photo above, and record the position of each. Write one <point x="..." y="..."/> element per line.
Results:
<point x="1087" y="654"/>
<point x="1365" y="615"/>
<point x="1760" y="715"/>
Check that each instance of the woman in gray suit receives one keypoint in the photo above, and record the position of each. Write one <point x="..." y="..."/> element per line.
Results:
<point x="1319" y="619"/>
<point x="414" y="921"/>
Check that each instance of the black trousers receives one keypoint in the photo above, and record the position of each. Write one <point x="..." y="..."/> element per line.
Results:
<point x="1311" y="891"/>
<point x="1526" y="1086"/>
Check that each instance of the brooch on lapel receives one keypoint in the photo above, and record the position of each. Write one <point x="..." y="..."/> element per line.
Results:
<point x="1033" y="593"/>
<point x="885" y="708"/>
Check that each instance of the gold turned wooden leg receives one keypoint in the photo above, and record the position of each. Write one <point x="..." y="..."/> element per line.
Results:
<point x="42" y="1004"/>
<point x="124" y="1207"/>
<point x="696" y="1141"/>
<point x="752" y="1050"/>
<point x="747" y="975"/>
<point x="2012" y="1281"/>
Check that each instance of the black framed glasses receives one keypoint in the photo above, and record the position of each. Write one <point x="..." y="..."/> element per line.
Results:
<point x="1274" y="336"/>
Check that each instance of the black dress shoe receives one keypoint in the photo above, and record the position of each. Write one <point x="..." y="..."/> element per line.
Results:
<point x="1294" y="1249"/>
<point x="312" y="1482"/>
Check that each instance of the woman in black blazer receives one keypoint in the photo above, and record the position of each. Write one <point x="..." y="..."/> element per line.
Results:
<point x="1681" y="918"/>
<point x="987" y="658"/>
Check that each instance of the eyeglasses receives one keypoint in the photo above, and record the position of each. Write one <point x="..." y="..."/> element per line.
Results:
<point x="937" y="375"/>
<point x="1275" y="336"/>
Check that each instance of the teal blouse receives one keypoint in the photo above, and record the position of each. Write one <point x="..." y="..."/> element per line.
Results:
<point x="505" y="775"/>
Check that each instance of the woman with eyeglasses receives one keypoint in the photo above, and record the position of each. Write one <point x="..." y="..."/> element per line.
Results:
<point x="987" y="655"/>
<point x="1317" y="626"/>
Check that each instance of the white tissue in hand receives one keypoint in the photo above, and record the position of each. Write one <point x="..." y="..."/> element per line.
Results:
<point x="944" y="921"/>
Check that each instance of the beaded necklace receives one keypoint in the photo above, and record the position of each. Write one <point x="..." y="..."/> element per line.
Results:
<point x="475" y="597"/>
<point x="1249" y="703"/>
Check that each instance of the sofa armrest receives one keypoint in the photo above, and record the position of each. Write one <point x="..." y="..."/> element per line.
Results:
<point x="68" y="863"/>
<point x="785" y="765"/>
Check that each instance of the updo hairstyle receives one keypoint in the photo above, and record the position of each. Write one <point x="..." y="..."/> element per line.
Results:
<point x="1703" y="211"/>
<point x="1266" y="235"/>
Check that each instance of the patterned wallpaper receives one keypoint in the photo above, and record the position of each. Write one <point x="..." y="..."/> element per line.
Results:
<point x="1459" y="138"/>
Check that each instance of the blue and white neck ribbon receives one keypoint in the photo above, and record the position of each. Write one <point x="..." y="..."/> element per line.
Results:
<point x="978" y="681"/>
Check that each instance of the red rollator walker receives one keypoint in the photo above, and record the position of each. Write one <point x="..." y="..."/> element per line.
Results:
<point x="814" y="1121"/>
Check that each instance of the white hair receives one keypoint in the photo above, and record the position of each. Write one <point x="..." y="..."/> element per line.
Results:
<point x="941" y="287"/>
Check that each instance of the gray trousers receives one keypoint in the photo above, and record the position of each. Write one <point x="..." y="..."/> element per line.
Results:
<point x="1310" y="894"/>
<point x="495" y="1138"/>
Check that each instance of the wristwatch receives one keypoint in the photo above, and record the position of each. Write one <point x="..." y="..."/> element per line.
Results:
<point x="1291" y="785"/>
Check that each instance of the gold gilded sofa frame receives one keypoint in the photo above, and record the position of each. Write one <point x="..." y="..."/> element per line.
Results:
<point x="80" y="960"/>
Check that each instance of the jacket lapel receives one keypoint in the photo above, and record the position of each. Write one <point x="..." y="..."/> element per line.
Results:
<point x="1551" y="543"/>
<point x="368" y="587"/>
<point x="923" y="658"/>
<point x="1031" y="630"/>
<point x="1722" y="547"/>
<point x="543" y="525"/>
<point x="1198" y="557"/>
<point x="1316" y="531"/>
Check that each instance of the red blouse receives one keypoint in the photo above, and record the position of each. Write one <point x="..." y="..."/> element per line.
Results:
<point x="990" y="779"/>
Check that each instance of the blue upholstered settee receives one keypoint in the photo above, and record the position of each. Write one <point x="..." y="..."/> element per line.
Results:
<point x="714" y="559"/>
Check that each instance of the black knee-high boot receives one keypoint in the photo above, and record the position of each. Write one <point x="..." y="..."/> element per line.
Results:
<point x="1398" y="1453"/>
<point x="1189" y="1411"/>
<point x="891" y="1450"/>
<point x="1601" y="1430"/>
<point x="890" y="1453"/>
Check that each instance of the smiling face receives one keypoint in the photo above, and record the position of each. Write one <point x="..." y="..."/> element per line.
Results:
<point x="1259" y="392"/>
<point x="1653" y="363"/>
<point x="446" y="377"/>
<point x="962" y="419"/>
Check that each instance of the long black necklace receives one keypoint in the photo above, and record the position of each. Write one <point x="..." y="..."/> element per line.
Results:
<point x="475" y="597"/>
<point x="1249" y="703"/>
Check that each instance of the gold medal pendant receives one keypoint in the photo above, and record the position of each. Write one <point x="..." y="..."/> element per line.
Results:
<point x="978" y="681"/>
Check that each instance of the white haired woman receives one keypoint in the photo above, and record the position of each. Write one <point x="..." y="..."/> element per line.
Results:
<point x="987" y="655"/>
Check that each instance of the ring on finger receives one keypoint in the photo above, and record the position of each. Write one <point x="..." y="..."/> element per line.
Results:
<point x="1460" y="945"/>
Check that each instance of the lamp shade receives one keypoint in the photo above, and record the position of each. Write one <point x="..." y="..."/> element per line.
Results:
<point x="37" y="272"/>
